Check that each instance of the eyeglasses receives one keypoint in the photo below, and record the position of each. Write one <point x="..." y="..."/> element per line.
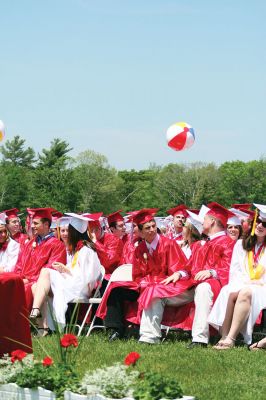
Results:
<point x="263" y="223"/>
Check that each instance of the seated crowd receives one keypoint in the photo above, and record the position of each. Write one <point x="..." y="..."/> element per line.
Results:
<point x="199" y="270"/>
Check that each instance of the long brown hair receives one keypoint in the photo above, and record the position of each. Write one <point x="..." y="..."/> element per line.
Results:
<point x="75" y="236"/>
<point x="249" y="242"/>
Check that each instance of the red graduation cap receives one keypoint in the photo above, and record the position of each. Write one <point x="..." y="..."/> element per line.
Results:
<point x="242" y="207"/>
<point x="251" y="213"/>
<point x="144" y="215"/>
<point x="41" y="212"/>
<point x="115" y="217"/>
<point x="93" y="216"/>
<point x="219" y="212"/>
<point x="194" y="210"/>
<point x="95" y="219"/>
<point x="12" y="213"/>
<point x="181" y="209"/>
<point x="56" y="215"/>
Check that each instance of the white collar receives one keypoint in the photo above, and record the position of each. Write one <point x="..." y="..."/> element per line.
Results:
<point x="218" y="234"/>
<point x="152" y="246"/>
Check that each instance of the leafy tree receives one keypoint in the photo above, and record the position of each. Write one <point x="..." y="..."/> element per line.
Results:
<point x="14" y="186"/>
<point x="56" y="154"/>
<point x="13" y="151"/>
<point x="53" y="183"/>
<point x="234" y="183"/>
<point x="192" y="184"/>
<point x="137" y="190"/>
<point x="99" y="184"/>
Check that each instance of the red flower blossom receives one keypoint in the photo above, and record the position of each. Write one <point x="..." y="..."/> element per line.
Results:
<point x="131" y="358"/>
<point x="47" y="361"/>
<point x="69" y="340"/>
<point x="17" y="355"/>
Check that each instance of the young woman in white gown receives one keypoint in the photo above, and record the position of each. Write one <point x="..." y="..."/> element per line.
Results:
<point x="240" y="302"/>
<point x="65" y="283"/>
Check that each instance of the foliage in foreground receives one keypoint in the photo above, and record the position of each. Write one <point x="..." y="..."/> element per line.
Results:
<point x="204" y="373"/>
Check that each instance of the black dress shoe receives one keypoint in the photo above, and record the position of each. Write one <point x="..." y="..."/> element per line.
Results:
<point x="192" y="345"/>
<point x="115" y="336"/>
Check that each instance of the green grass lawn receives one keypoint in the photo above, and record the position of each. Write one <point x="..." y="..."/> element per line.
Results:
<point x="204" y="373"/>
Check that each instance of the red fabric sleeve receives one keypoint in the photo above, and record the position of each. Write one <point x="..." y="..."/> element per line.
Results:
<point x="109" y="252"/>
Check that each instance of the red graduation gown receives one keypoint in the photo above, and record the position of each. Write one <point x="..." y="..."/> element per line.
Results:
<point x="215" y="255"/>
<point x="148" y="269"/>
<point x="34" y="257"/>
<point x="109" y="250"/>
<point x="21" y="238"/>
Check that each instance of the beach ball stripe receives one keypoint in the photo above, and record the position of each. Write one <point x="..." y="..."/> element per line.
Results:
<point x="2" y="130"/>
<point x="180" y="136"/>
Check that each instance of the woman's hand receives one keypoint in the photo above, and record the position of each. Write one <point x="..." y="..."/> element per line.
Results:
<point x="61" y="268"/>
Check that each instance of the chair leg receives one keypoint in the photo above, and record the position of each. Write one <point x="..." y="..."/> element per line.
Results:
<point x="92" y="326"/>
<point x="84" y="320"/>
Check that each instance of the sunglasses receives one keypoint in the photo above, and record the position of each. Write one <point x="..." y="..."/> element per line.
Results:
<point x="263" y="223"/>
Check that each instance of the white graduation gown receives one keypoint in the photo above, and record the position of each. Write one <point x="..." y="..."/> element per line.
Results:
<point x="78" y="285"/>
<point x="239" y="279"/>
<point x="8" y="257"/>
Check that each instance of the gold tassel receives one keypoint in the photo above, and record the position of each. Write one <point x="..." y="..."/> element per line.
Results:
<point x="254" y="223"/>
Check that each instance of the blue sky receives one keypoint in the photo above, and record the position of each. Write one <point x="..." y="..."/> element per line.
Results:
<point x="112" y="75"/>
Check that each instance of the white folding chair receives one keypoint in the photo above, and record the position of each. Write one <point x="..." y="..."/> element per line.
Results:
<point x="122" y="273"/>
<point x="90" y="300"/>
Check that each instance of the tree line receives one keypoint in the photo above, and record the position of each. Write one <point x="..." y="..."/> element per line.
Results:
<point x="87" y="183"/>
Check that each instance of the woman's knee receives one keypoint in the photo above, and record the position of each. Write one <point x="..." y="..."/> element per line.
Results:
<point x="245" y="294"/>
<point x="233" y="297"/>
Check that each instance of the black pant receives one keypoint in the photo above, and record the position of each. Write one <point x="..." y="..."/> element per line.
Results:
<point x="115" y="307"/>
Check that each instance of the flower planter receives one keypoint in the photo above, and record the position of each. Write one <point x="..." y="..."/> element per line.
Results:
<point x="75" y="396"/>
<point x="11" y="391"/>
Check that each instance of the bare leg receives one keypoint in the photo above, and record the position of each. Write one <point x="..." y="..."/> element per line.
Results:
<point x="240" y="315"/>
<point x="41" y="289"/>
<point x="229" y="314"/>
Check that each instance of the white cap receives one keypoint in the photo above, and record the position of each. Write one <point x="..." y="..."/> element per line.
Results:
<point x="3" y="217"/>
<point x="202" y="212"/>
<point x="64" y="221"/>
<point x="234" y="221"/>
<point x="79" y="222"/>
<point x="195" y="221"/>
<point x="262" y="210"/>
<point x="160" y="222"/>
<point x="240" y="214"/>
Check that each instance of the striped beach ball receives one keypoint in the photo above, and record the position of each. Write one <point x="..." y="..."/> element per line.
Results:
<point x="180" y="136"/>
<point x="2" y="130"/>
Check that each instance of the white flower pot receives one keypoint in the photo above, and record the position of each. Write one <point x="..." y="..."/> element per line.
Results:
<point x="11" y="391"/>
<point x="75" y="396"/>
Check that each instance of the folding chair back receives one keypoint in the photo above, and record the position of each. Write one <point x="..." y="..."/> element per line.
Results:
<point x="94" y="299"/>
<point x="121" y="273"/>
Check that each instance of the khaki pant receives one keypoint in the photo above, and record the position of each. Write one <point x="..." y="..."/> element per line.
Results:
<point x="150" y="326"/>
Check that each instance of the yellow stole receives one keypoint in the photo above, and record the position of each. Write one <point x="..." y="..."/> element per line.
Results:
<point x="256" y="270"/>
<point x="74" y="260"/>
